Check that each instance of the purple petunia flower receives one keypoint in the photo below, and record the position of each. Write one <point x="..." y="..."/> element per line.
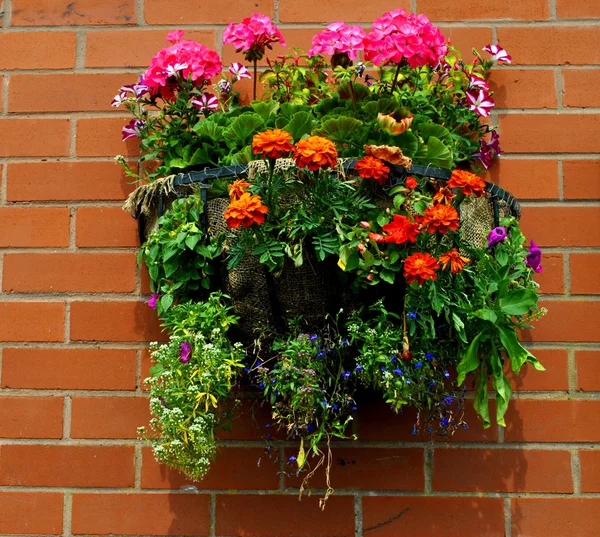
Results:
<point x="206" y="101"/>
<point x="239" y="71"/>
<point x="496" y="236"/>
<point x="480" y="101"/>
<point x="132" y="129"/>
<point x="498" y="53"/>
<point x="224" y="86"/>
<point x="153" y="300"/>
<point x="185" y="353"/>
<point x="534" y="258"/>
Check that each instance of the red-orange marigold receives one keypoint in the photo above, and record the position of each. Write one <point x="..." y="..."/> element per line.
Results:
<point x="315" y="153"/>
<point x="443" y="196"/>
<point x="372" y="168"/>
<point x="272" y="144"/>
<point x="420" y="267"/>
<point x="440" y="218"/>
<point x="237" y="188"/>
<point x="245" y="211"/>
<point x="468" y="182"/>
<point x="453" y="258"/>
<point x="401" y="230"/>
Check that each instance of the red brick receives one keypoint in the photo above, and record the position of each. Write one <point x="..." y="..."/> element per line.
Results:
<point x="69" y="369"/>
<point x="34" y="137"/>
<point x="562" y="226"/>
<point x="425" y="517"/>
<point x="585" y="274"/>
<point x="365" y="469"/>
<point x="32" y="321"/>
<point x="588" y="370"/>
<point x="502" y="470"/>
<point x="582" y="179"/>
<point x="67" y="92"/>
<point x="114" y="321"/>
<point x="474" y="10"/>
<point x="284" y="516"/>
<point x="314" y="11"/>
<point x="589" y="462"/>
<point x="57" y="181"/>
<point x="105" y="227"/>
<point x="467" y="38"/>
<point x="580" y="87"/>
<point x="101" y="137"/>
<point x="520" y="88"/>
<point x="31" y="417"/>
<point x="108" y="417"/>
<point x="566" y="321"/>
<point x="118" y="48"/>
<point x="34" y="227"/>
<point x="551" y="45"/>
<point x="565" y="9"/>
<point x="553" y="421"/>
<point x="555" y="378"/>
<point x="66" y="466"/>
<point x="555" y="517"/>
<point x="551" y="279"/>
<point x="141" y="514"/>
<point x="31" y="513"/>
<point x="37" y="50"/>
<point x="187" y="11"/>
<point x="377" y="422"/>
<point x="234" y="468"/>
<point x="541" y="182"/>
<point x="66" y="13"/>
<point x="528" y="133"/>
<point x="84" y="273"/>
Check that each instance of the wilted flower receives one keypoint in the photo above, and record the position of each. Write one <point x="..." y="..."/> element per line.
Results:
<point x="239" y="71"/>
<point x="443" y="196"/>
<point x="496" y="236"/>
<point x="237" y="188"/>
<point x="393" y="124"/>
<point x="534" y="258"/>
<point x="224" y="86"/>
<point x="389" y="153"/>
<point x="498" y="53"/>
<point x="453" y="259"/>
<point x="119" y="98"/>
<point x="477" y="82"/>
<point x="360" y="69"/>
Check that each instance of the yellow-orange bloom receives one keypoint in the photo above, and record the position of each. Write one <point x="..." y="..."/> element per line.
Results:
<point x="443" y="196"/>
<point x="394" y="126"/>
<point x="372" y="168"/>
<point x="440" y="218"/>
<point x="237" y="188"/>
<point x="272" y="144"/>
<point x="389" y="153"/>
<point x="315" y="153"/>
<point x="245" y="211"/>
<point x="453" y="258"/>
<point x="420" y="267"/>
<point x="468" y="182"/>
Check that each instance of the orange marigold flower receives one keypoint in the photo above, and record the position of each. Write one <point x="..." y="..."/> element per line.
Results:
<point x="420" y="267"/>
<point x="372" y="168"/>
<point x="456" y="261"/>
<point x="389" y="153"/>
<point x="315" y="153"/>
<point x="401" y="230"/>
<point x="245" y="211"/>
<point x="272" y="144"/>
<point x="237" y="188"/>
<point x="443" y="196"/>
<point x="440" y="218"/>
<point x="468" y="182"/>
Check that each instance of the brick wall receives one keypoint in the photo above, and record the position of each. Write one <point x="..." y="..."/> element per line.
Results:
<point x="74" y="327"/>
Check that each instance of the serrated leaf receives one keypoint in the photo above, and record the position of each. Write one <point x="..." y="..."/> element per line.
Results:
<point x="339" y="130"/>
<point x="300" y="125"/>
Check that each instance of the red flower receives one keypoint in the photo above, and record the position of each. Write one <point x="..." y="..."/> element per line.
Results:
<point x="376" y="237"/>
<point x="453" y="258"/>
<point x="372" y="168"/>
<point x="401" y="230"/>
<point x="411" y="183"/>
<point x="420" y="267"/>
<point x="440" y="218"/>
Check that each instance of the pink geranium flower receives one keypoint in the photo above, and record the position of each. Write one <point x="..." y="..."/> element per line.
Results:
<point x="175" y="36"/>
<point x="338" y="37"/>
<point x="252" y="36"/>
<point x="498" y="53"/>
<point x="480" y="102"/>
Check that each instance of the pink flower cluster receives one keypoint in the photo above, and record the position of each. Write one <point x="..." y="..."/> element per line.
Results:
<point x="253" y="35"/>
<point x="187" y="57"/>
<point x="338" y="37"/>
<point x="397" y="36"/>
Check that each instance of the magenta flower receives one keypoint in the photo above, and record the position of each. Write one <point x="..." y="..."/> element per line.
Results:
<point x="185" y="353"/>
<point x="488" y="150"/>
<point x="252" y="36"/>
<point x="496" y="236"/>
<point x="119" y="98"/>
<point x="174" y="36"/>
<point x="477" y="82"/>
<point x="498" y="53"/>
<point x="224" y="86"/>
<point x="494" y="143"/>
<point x="338" y="37"/>
<point x="534" y="258"/>
<point x="153" y="300"/>
<point x="480" y="102"/>
<point x="206" y="101"/>
<point x="239" y="71"/>
<point x="132" y="129"/>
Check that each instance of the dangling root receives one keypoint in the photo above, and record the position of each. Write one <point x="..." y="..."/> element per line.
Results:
<point x="143" y="200"/>
<point x="329" y="491"/>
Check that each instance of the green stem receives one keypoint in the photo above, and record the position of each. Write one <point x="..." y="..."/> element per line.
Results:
<point x="255" y="76"/>
<point x="395" y="79"/>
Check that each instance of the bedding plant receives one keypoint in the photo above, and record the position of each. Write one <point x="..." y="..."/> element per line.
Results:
<point x="348" y="210"/>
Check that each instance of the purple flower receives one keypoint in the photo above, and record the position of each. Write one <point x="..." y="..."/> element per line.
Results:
<point x="185" y="353"/>
<point x="496" y="236"/>
<point x="477" y="82"/>
<point x="153" y="300"/>
<point x="346" y="374"/>
<point x="485" y="155"/>
<point x="480" y="101"/>
<point x="494" y="143"/>
<point x="445" y="422"/>
<point x="360" y="69"/>
<point x="398" y="371"/>
<point x="119" y="98"/>
<point x="206" y="101"/>
<point x="534" y="258"/>
<point x="448" y="400"/>
<point x="239" y="71"/>
<point x="224" y="86"/>
<point x="132" y="129"/>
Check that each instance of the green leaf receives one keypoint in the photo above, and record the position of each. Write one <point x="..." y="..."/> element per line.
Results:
<point x="245" y="126"/>
<point x="192" y="240"/>
<point x="166" y="301"/>
<point x="435" y="153"/>
<point x="486" y="315"/>
<point x="398" y="201"/>
<point x="208" y="128"/>
<point x="518" y="301"/>
<point x="408" y="142"/>
<point x="339" y="130"/>
<point x="300" y="125"/>
<point x="368" y="259"/>
<point x="427" y="130"/>
<point x="481" y="398"/>
<point x="265" y="109"/>
<point x="517" y="354"/>
<point x="470" y="361"/>
<point x="388" y="276"/>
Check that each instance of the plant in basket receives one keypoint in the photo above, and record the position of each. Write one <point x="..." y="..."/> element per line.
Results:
<point x="330" y="239"/>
